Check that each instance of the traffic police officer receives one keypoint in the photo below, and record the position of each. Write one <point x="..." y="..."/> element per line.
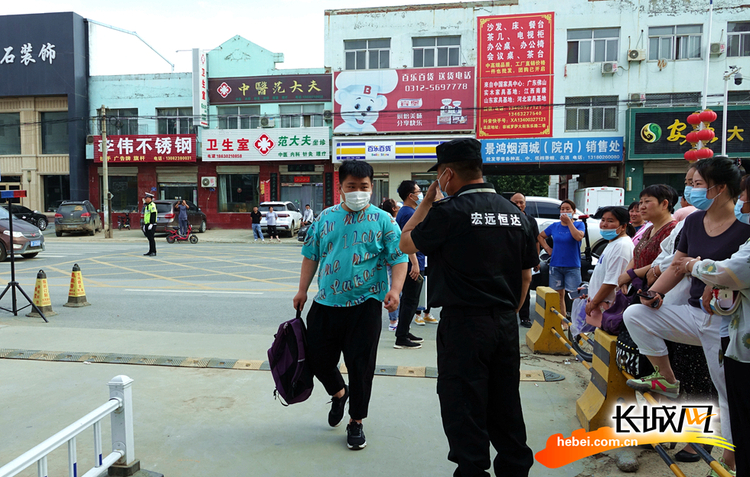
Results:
<point x="149" y="224"/>
<point x="481" y="250"/>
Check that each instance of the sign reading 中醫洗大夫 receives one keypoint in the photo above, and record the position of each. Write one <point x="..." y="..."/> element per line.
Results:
<point x="406" y="100"/>
<point x="147" y="148"/>
<point x="581" y="149"/>
<point x="659" y="133"/>
<point x="265" y="144"/>
<point x="270" y="89"/>
<point x="514" y="75"/>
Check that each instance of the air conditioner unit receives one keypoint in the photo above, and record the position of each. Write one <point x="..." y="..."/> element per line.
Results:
<point x="208" y="181"/>
<point x="717" y="48"/>
<point x="609" y="67"/>
<point x="327" y="114"/>
<point x="637" y="98"/>
<point x="636" y="55"/>
<point x="267" y="122"/>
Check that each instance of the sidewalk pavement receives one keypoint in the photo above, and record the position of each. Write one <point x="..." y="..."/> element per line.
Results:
<point x="225" y="422"/>
<point x="136" y="235"/>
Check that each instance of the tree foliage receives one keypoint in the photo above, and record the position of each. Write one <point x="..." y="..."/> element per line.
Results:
<point x="528" y="185"/>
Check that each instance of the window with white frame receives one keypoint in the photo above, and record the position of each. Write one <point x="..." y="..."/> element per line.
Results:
<point x="738" y="97"/>
<point x="673" y="99"/>
<point x="680" y="42"/>
<point x="738" y="39"/>
<point x="121" y="122"/>
<point x="367" y="54"/>
<point x="239" y="117"/>
<point x="591" y="113"/>
<point x="593" y="45"/>
<point x="175" y="120"/>
<point x="436" y="51"/>
<point x="301" y="115"/>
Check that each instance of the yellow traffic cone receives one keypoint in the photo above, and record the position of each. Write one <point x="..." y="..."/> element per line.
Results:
<point x="76" y="295"/>
<point x="41" y="297"/>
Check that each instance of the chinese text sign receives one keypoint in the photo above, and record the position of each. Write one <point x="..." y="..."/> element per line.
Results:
<point x="147" y="148"/>
<point x="589" y="149"/>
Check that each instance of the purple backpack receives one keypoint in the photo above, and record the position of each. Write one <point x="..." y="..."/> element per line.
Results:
<point x="290" y="370"/>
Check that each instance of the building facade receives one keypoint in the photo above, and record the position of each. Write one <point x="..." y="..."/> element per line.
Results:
<point x="558" y="91"/>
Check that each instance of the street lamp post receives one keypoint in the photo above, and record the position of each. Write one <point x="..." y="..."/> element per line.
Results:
<point x="737" y="79"/>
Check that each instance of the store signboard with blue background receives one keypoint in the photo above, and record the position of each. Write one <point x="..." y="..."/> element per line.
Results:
<point x="659" y="133"/>
<point x="552" y="150"/>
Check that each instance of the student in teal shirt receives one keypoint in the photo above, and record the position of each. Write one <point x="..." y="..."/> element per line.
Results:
<point x="349" y="245"/>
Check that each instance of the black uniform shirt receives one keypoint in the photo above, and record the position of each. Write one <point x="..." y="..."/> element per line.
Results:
<point x="478" y="243"/>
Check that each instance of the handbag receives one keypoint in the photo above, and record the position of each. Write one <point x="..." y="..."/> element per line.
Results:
<point x="612" y="316"/>
<point x="291" y="372"/>
<point x="629" y="357"/>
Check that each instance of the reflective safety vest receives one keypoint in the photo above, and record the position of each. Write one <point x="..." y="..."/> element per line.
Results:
<point x="148" y="211"/>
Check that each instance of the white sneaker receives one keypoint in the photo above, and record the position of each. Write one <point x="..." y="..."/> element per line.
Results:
<point x="418" y="320"/>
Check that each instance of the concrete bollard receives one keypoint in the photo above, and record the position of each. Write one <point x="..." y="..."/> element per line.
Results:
<point x="540" y="338"/>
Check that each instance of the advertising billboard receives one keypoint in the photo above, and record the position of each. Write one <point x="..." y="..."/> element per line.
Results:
<point x="406" y="100"/>
<point x="272" y="144"/>
<point x="515" y="82"/>
<point x="147" y="148"/>
<point x="579" y="149"/>
<point x="270" y="89"/>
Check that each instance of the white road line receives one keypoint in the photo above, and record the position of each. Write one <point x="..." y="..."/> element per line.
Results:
<point x="212" y="292"/>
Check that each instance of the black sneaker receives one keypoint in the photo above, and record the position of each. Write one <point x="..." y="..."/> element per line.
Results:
<point x="415" y="339"/>
<point x="526" y="323"/>
<point x="355" y="436"/>
<point x="406" y="344"/>
<point x="336" y="415"/>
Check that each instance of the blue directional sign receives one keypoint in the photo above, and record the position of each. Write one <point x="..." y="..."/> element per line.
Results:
<point x="581" y="149"/>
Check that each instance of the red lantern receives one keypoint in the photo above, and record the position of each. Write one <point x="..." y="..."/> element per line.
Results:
<point x="690" y="155"/>
<point x="704" y="153"/>
<point x="707" y="116"/>
<point x="705" y="135"/>
<point x="692" y="137"/>
<point x="694" y="119"/>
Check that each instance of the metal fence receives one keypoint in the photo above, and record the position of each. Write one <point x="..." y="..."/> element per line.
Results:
<point x="119" y="407"/>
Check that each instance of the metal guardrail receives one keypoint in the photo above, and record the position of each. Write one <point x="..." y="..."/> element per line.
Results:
<point x="119" y="407"/>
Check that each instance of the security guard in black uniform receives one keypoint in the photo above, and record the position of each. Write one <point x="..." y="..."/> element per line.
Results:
<point x="481" y="250"/>
<point x="149" y="224"/>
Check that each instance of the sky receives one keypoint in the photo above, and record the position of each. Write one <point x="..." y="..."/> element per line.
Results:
<point x="173" y="28"/>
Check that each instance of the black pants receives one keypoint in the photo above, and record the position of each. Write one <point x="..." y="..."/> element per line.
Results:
<point x="355" y="331"/>
<point x="478" y="378"/>
<point x="523" y="313"/>
<point x="738" y="399"/>
<point x="150" y="236"/>
<point x="408" y="306"/>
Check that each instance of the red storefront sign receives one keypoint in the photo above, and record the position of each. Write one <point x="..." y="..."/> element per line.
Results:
<point x="301" y="179"/>
<point x="515" y="67"/>
<point x="270" y="89"/>
<point x="406" y="100"/>
<point x="147" y="148"/>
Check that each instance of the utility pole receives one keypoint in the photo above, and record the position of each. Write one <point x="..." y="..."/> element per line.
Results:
<point x="738" y="80"/>
<point x="105" y="192"/>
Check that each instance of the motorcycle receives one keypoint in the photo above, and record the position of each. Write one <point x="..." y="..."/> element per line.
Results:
<point x="123" y="221"/>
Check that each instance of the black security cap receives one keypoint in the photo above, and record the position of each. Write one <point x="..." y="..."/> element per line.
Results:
<point x="458" y="150"/>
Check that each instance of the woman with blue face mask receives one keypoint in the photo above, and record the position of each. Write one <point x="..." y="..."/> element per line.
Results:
<point x="613" y="262"/>
<point x="712" y="233"/>
<point x="742" y="207"/>
<point x="565" y="262"/>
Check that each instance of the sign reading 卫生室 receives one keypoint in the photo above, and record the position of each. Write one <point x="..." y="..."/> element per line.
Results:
<point x="581" y="149"/>
<point x="659" y="133"/>
<point x="273" y="144"/>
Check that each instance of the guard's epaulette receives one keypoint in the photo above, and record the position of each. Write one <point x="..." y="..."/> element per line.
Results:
<point x="443" y="200"/>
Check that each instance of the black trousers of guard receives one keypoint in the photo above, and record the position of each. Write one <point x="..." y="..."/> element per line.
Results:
<point x="478" y="386"/>
<point x="738" y="390"/>
<point x="408" y="306"/>
<point x="355" y="331"/>
<point x="150" y="236"/>
<point x="523" y="313"/>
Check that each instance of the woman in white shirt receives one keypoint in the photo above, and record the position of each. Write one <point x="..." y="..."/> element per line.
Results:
<point x="613" y="262"/>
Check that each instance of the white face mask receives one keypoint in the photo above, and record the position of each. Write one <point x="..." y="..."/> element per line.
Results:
<point x="357" y="200"/>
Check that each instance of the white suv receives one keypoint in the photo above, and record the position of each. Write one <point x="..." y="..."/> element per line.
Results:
<point x="290" y="218"/>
